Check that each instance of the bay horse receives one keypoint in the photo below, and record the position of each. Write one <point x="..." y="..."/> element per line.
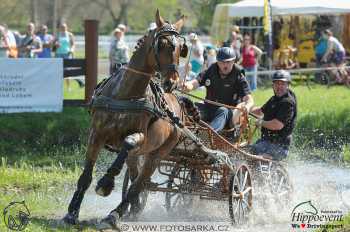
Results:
<point x="126" y="119"/>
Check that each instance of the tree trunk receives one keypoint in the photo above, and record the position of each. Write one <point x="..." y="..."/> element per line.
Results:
<point x="122" y="18"/>
<point x="34" y="11"/>
<point x="54" y="20"/>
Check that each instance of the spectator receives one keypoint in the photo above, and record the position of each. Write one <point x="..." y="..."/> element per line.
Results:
<point x="196" y="54"/>
<point x="122" y="27"/>
<point x="235" y="42"/>
<point x="210" y="56"/>
<point x="65" y="46"/>
<point x="250" y="56"/>
<point x="335" y="52"/>
<point x="320" y="49"/>
<point x="47" y="41"/>
<point x="4" y="43"/>
<point x="30" y="44"/>
<point x="185" y="72"/>
<point x="8" y="42"/>
<point x="334" y="55"/>
<point x="119" y="51"/>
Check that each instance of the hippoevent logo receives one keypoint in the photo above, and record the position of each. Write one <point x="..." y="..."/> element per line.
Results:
<point x="306" y="216"/>
<point x="16" y="216"/>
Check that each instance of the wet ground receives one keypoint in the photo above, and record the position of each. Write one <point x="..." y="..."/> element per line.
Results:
<point x="325" y="185"/>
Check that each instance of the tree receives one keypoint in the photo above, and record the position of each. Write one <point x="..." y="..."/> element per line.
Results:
<point x="204" y="11"/>
<point x="117" y="16"/>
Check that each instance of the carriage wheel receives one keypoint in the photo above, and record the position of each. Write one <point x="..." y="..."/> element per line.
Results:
<point x="181" y="201"/>
<point x="142" y="196"/>
<point x="280" y="185"/>
<point x="241" y="196"/>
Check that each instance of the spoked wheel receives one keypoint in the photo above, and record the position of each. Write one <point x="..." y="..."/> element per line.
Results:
<point x="280" y="185"/>
<point x="142" y="196"/>
<point x="241" y="195"/>
<point x="181" y="201"/>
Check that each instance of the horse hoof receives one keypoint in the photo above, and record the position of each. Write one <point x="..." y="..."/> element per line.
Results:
<point x="107" y="223"/>
<point x="70" y="219"/>
<point x="105" y="186"/>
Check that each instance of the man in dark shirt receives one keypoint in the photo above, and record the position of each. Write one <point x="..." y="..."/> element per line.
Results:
<point x="278" y="121"/>
<point x="225" y="83"/>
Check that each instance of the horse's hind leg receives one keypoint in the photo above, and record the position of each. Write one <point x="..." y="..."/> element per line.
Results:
<point x="106" y="184"/>
<point x="85" y="179"/>
<point x="138" y="185"/>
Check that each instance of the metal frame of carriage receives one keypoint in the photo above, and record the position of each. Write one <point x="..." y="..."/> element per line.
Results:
<point x="229" y="173"/>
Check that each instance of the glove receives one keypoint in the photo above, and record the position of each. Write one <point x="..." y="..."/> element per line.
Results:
<point x="259" y="122"/>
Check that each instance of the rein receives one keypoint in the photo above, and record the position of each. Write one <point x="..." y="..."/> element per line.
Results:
<point x="137" y="72"/>
<point x="216" y="103"/>
<point x="209" y="101"/>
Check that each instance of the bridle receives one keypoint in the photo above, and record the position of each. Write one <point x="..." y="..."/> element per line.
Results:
<point x="164" y="32"/>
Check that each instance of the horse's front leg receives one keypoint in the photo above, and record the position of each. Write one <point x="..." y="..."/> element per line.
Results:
<point x="106" y="184"/>
<point x="132" y="196"/>
<point x="94" y="146"/>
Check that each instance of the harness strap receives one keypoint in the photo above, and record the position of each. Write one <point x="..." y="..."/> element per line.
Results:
<point x="112" y="105"/>
<point x="137" y="72"/>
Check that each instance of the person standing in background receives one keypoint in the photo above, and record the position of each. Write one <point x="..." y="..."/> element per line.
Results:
<point x="250" y="57"/>
<point x="8" y="42"/>
<point x="235" y="42"/>
<point x="30" y="44"/>
<point x="65" y="46"/>
<point x="47" y="41"/>
<point x="4" y="43"/>
<point x="122" y="27"/>
<point x="196" y="54"/>
<point x="64" y="43"/>
<point x="210" y="57"/>
<point x="119" y="51"/>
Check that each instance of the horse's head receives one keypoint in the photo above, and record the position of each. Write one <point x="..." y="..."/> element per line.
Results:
<point x="166" y="48"/>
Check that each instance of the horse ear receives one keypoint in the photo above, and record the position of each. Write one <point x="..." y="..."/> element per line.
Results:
<point x="179" y="24"/>
<point x="159" y="19"/>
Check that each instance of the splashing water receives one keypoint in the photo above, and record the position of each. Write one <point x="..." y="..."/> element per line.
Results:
<point x="327" y="186"/>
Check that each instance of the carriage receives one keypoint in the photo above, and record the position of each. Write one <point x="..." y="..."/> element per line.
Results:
<point x="219" y="167"/>
<point x="136" y="119"/>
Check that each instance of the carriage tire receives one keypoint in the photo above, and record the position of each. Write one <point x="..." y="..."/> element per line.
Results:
<point x="143" y="194"/>
<point x="281" y="186"/>
<point x="184" y="200"/>
<point x="240" y="195"/>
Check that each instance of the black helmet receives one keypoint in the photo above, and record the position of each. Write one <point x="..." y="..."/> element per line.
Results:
<point x="225" y="54"/>
<point x="281" y="75"/>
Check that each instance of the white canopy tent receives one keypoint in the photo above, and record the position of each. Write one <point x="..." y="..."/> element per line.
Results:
<point x="224" y="13"/>
<point x="255" y="8"/>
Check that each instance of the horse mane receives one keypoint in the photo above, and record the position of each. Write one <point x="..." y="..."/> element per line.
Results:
<point x="140" y="42"/>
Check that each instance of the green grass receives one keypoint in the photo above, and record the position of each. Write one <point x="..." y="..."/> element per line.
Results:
<point x="345" y="223"/>
<point x="80" y="53"/>
<point x="38" y="187"/>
